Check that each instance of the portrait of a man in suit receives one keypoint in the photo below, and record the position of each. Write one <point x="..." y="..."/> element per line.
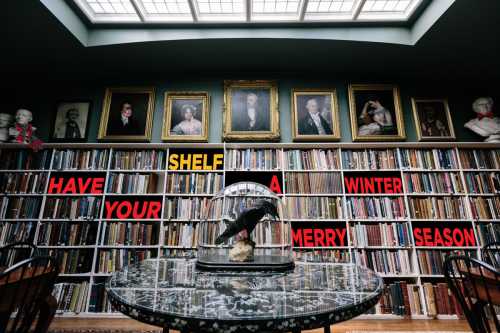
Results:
<point x="124" y="122"/>
<point x="313" y="122"/>
<point x="250" y="111"/>
<point x="71" y="121"/>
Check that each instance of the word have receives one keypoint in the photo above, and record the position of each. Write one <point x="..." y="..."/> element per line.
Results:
<point x="373" y="184"/>
<point x="76" y="185"/>
<point x="195" y="161"/>
<point x="313" y="237"/>
<point x="444" y="237"/>
<point x="124" y="209"/>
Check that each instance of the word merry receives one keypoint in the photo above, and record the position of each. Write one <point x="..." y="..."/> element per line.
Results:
<point x="76" y="185"/>
<point x="124" y="209"/>
<point x="432" y="236"/>
<point x="313" y="237"/>
<point x="373" y="184"/>
<point x="195" y="161"/>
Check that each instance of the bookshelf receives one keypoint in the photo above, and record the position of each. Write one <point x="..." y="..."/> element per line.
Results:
<point x="442" y="184"/>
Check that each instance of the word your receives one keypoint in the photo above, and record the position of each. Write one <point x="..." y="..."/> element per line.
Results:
<point x="313" y="237"/>
<point x="373" y="184"/>
<point x="125" y="209"/>
<point x="432" y="236"/>
<point x="76" y="185"/>
<point x="195" y="161"/>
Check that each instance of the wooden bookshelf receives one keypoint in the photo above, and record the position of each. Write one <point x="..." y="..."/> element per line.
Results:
<point x="349" y="252"/>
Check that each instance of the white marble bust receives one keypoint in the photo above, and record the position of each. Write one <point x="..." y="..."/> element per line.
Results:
<point x="485" y="124"/>
<point x="5" y="122"/>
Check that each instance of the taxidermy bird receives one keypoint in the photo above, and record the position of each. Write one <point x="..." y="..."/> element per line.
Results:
<point x="248" y="219"/>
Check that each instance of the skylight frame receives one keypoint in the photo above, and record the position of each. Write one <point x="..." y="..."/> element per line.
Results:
<point x="248" y="16"/>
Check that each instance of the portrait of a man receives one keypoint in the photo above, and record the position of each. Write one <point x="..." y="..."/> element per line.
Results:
<point x="71" y="121"/>
<point x="127" y="114"/>
<point x="186" y="116"/>
<point x="251" y="110"/>
<point x="376" y="113"/>
<point x="432" y="119"/>
<point x="315" y="115"/>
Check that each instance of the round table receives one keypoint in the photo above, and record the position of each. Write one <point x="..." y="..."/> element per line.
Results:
<point x="172" y="293"/>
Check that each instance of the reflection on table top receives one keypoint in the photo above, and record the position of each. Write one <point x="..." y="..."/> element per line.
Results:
<point x="174" y="287"/>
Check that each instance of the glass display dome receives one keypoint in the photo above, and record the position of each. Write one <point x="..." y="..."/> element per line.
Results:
<point x="244" y="228"/>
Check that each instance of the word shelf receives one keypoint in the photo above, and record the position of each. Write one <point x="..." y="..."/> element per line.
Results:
<point x="396" y="208"/>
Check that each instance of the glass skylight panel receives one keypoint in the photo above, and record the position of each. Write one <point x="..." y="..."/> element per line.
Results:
<point x="221" y="10"/>
<point x="388" y="9"/>
<point x="330" y="9"/>
<point x="269" y="10"/>
<point x="109" y="10"/>
<point x="165" y="10"/>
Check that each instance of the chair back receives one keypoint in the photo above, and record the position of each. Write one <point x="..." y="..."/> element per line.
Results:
<point x="15" y="252"/>
<point x="491" y="254"/>
<point x="24" y="288"/>
<point x="476" y="286"/>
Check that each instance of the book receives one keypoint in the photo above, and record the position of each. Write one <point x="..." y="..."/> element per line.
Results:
<point x="194" y="183"/>
<point x="23" y="182"/>
<point x="429" y="159"/>
<point x="24" y="159"/>
<point x="375" y="208"/>
<point x="72" y="261"/>
<point x="433" y="182"/>
<point x="431" y="261"/>
<point x="393" y="262"/>
<point x="71" y="297"/>
<point x="314" y="207"/>
<point x="112" y="260"/>
<point x="370" y="159"/>
<point x="67" y="233"/>
<point x="438" y="208"/>
<point x="72" y="208"/>
<point x="146" y="159"/>
<point x="22" y="207"/>
<point x="482" y="182"/>
<point x="13" y="232"/>
<point x="485" y="208"/>
<point x="312" y="159"/>
<point x="380" y="234"/>
<point x="186" y="208"/>
<point x="480" y="158"/>
<point x="313" y="183"/>
<point x="253" y="159"/>
<point x="134" y="183"/>
<point x="129" y="233"/>
<point x="80" y="159"/>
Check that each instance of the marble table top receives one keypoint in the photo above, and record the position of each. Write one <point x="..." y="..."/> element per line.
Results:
<point x="173" y="293"/>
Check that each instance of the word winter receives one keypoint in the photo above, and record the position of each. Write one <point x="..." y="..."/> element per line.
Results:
<point x="373" y="184"/>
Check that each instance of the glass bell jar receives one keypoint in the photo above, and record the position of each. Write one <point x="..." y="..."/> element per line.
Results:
<point x="244" y="228"/>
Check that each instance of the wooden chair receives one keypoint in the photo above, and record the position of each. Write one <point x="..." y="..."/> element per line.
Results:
<point x="476" y="286"/>
<point x="25" y="290"/>
<point x="491" y="254"/>
<point x="15" y="252"/>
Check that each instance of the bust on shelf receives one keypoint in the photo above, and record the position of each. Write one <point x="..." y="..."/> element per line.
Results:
<point x="5" y="122"/>
<point x="23" y="131"/>
<point x="485" y="124"/>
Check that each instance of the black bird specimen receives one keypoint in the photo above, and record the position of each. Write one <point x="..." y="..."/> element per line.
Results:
<point x="248" y="219"/>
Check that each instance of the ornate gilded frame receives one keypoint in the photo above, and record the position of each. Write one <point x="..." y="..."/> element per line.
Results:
<point x="444" y="101"/>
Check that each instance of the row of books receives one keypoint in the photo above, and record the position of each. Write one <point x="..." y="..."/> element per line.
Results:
<point x="134" y="233"/>
<point x="394" y="262"/>
<point x="72" y="261"/>
<point x="20" y="207"/>
<point x="383" y="234"/>
<point x="429" y="159"/>
<point x="438" y="208"/>
<point x="124" y="183"/>
<point x="488" y="232"/>
<point x="23" y="182"/>
<point x="138" y="160"/>
<point x="439" y="300"/>
<point x="99" y="299"/>
<point x="115" y="259"/>
<point x="480" y="159"/>
<point x="80" y="159"/>
<point x="433" y="182"/>
<point x="314" y="207"/>
<point x="24" y="159"/>
<point x="67" y="233"/>
<point x="188" y="208"/>
<point x="194" y="183"/>
<point x="71" y="297"/>
<point x="370" y="159"/>
<point x="431" y="261"/>
<point x="313" y="159"/>
<point x="72" y="208"/>
<point x="375" y="207"/>
<point x="337" y="256"/>
<point x="485" y="208"/>
<point x="12" y="232"/>
<point x="253" y="159"/>
<point x="482" y="182"/>
<point x="399" y="298"/>
<point x="315" y="182"/>
<point x="181" y="234"/>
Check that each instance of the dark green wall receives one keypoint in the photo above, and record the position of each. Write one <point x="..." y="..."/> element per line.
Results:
<point x="42" y="98"/>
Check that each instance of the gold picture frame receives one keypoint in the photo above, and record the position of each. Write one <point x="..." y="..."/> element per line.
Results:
<point x="265" y="123"/>
<point x="373" y="97"/>
<point x="441" y="121"/>
<point x="303" y="126"/>
<point x="139" y="128"/>
<point x="193" y="101"/>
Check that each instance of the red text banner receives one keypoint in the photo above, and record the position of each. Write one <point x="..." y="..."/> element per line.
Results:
<point x="453" y="234"/>
<point x="76" y="183"/>
<point x="128" y="208"/>
<point x="324" y="234"/>
<point x="372" y="183"/>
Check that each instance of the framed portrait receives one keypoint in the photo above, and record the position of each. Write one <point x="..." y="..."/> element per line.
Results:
<point x="185" y="117"/>
<point x="127" y="114"/>
<point x="71" y="121"/>
<point x="376" y="113"/>
<point x="315" y="115"/>
<point x="432" y="119"/>
<point x="251" y="110"/>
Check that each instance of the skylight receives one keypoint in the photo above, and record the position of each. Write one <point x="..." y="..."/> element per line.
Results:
<point x="226" y="11"/>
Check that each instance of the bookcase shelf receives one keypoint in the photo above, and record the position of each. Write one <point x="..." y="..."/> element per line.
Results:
<point x="291" y="162"/>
